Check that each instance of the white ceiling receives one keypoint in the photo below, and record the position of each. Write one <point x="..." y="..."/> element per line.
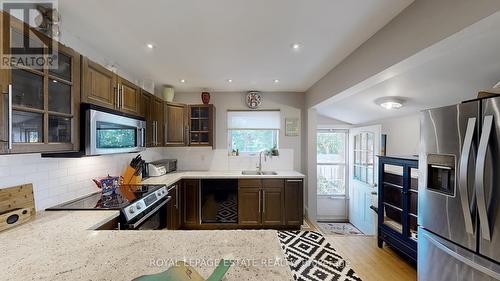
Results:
<point x="447" y="73"/>
<point x="208" y="42"/>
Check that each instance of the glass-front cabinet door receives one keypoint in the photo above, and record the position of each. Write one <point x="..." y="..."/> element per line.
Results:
<point x="392" y="184"/>
<point x="40" y="104"/>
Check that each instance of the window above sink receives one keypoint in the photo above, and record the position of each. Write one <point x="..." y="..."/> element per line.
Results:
<point x="250" y="132"/>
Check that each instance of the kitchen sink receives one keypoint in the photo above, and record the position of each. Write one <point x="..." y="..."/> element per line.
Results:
<point x="268" y="173"/>
<point x="250" y="173"/>
<point x="256" y="173"/>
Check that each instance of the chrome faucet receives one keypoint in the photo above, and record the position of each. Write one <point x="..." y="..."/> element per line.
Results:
<point x="259" y="167"/>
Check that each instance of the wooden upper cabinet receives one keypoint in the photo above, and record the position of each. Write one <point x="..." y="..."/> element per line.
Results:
<point x="147" y="113"/>
<point x="158" y="122"/>
<point x="45" y="100"/>
<point x="104" y="88"/>
<point x="202" y="125"/>
<point x="99" y="85"/>
<point x="175" y="124"/>
<point x="129" y="100"/>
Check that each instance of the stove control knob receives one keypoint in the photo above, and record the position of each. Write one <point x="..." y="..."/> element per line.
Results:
<point x="158" y="193"/>
<point x="131" y="210"/>
<point x="138" y="206"/>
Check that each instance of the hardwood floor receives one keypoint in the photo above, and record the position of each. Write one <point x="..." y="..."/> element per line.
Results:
<point x="370" y="262"/>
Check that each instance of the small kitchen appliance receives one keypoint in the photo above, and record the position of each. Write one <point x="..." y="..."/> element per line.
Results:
<point x="161" y="167"/>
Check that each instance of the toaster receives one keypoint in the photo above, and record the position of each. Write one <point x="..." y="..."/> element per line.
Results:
<point x="161" y="167"/>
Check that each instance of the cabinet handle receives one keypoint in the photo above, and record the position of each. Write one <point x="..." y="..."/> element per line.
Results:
<point x="263" y="201"/>
<point x="293" y="180"/>
<point x="259" y="201"/>
<point x="121" y="97"/>
<point x="154" y="132"/>
<point x="116" y="97"/>
<point x="10" y="117"/>
<point x="176" y="197"/>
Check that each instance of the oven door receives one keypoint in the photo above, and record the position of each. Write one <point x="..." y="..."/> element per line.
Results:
<point x="155" y="218"/>
<point x="108" y="133"/>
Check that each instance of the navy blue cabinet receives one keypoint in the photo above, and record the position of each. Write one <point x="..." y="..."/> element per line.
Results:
<point x="398" y="204"/>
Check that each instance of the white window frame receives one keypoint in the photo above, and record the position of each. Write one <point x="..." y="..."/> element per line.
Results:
<point x="345" y="163"/>
<point x="276" y="134"/>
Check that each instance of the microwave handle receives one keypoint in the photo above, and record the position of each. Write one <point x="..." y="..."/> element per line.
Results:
<point x="142" y="137"/>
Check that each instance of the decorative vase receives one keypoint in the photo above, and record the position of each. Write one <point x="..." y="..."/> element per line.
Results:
<point x="168" y="94"/>
<point x="205" y="97"/>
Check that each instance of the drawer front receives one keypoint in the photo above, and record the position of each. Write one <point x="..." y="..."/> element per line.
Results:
<point x="277" y="183"/>
<point x="250" y="183"/>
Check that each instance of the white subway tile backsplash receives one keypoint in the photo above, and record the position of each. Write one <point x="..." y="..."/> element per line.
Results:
<point x="57" y="180"/>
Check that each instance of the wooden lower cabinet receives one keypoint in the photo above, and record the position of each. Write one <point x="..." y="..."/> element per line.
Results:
<point x="190" y="193"/>
<point x="294" y="202"/>
<point x="249" y="206"/>
<point x="261" y="202"/>
<point x="273" y="202"/>
<point x="173" y="208"/>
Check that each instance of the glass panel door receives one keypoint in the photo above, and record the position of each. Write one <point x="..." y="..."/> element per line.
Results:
<point x="392" y="182"/>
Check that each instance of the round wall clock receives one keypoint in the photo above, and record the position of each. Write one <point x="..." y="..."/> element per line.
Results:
<point x="253" y="99"/>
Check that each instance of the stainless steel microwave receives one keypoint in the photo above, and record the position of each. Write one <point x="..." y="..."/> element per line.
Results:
<point x="108" y="132"/>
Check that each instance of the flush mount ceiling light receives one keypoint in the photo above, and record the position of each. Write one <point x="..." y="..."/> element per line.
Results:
<point x="296" y="46"/>
<point x="150" y="46"/>
<point x="276" y="80"/>
<point x="390" y="102"/>
<point x="182" y="81"/>
<point x="229" y="80"/>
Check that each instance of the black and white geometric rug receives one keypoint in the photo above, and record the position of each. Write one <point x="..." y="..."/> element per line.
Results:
<point x="312" y="258"/>
<point x="228" y="211"/>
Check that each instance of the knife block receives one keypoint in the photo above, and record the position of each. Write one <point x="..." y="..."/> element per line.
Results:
<point x="129" y="176"/>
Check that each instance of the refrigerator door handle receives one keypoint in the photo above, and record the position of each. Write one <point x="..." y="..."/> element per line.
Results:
<point x="479" y="180"/>
<point x="464" y="175"/>
<point x="461" y="258"/>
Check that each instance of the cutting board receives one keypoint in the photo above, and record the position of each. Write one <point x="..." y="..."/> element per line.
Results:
<point x="17" y="205"/>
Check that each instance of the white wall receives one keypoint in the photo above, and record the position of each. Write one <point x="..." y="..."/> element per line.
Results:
<point x="290" y="104"/>
<point x="56" y="180"/>
<point x="403" y="135"/>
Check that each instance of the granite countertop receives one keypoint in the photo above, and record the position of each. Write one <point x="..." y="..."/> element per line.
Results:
<point x="174" y="177"/>
<point x="61" y="245"/>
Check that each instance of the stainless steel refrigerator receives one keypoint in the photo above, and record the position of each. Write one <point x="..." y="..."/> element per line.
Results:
<point x="459" y="192"/>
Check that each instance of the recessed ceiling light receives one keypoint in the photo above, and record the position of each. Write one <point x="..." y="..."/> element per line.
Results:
<point x="150" y="45"/>
<point x="55" y="81"/>
<point x="276" y="80"/>
<point x="296" y="46"/>
<point x="182" y="81"/>
<point x="229" y="80"/>
<point x="390" y="102"/>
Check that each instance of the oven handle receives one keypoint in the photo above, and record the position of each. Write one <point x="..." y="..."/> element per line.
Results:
<point x="139" y="222"/>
